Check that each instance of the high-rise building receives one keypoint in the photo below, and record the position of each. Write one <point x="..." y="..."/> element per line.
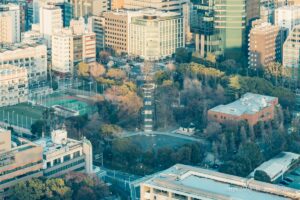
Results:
<point x="71" y="46"/>
<point x="116" y="29"/>
<point x="50" y="21"/>
<point x="10" y="23"/>
<point x="230" y="24"/>
<point x="117" y="4"/>
<point x="291" y="53"/>
<point x="155" y="34"/>
<point x="173" y="6"/>
<point x="86" y="8"/>
<point x="265" y="41"/>
<point x="193" y="183"/>
<point x="287" y="17"/>
<point x="19" y="162"/>
<point x="97" y="25"/>
<point x="203" y="27"/>
<point x="31" y="56"/>
<point x="13" y="85"/>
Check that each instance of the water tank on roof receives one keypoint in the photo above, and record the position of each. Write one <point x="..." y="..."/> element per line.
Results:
<point x="59" y="136"/>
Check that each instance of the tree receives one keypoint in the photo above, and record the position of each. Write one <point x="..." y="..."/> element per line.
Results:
<point x="36" y="189"/>
<point x="183" y="55"/>
<point x="104" y="56"/>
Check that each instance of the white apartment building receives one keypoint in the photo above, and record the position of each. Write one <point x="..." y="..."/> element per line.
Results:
<point x="155" y="34"/>
<point x="50" y="21"/>
<point x="291" y="53"/>
<point x="62" y="56"/>
<point x="13" y="85"/>
<point x="71" y="46"/>
<point x="31" y="56"/>
<point x="10" y="23"/>
<point x="62" y="154"/>
<point x="193" y="183"/>
<point x="287" y="17"/>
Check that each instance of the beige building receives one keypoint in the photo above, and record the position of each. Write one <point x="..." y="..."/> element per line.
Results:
<point x="265" y="43"/>
<point x="71" y="46"/>
<point x="117" y="4"/>
<point x="86" y="8"/>
<point x="116" y="29"/>
<point x="155" y="34"/>
<point x="31" y="56"/>
<point x="173" y="6"/>
<point x="10" y="23"/>
<point x="193" y="183"/>
<point x="62" y="154"/>
<point x="20" y="160"/>
<point x="13" y="85"/>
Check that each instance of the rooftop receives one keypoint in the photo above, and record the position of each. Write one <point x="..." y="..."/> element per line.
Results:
<point x="249" y="103"/>
<point x="197" y="182"/>
<point x="278" y="165"/>
<point x="57" y="143"/>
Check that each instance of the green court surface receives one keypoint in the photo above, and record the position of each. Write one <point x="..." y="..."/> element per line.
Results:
<point x="22" y="115"/>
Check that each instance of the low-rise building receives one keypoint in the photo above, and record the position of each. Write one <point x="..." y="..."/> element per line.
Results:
<point x="193" y="183"/>
<point x="13" y="85"/>
<point x="277" y="166"/>
<point x="251" y="108"/>
<point x="62" y="154"/>
<point x="20" y="160"/>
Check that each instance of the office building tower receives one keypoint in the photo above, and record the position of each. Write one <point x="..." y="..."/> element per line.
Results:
<point x="265" y="41"/>
<point x="291" y="53"/>
<point x="97" y="25"/>
<point x="71" y="46"/>
<point x="287" y="17"/>
<point x="86" y="8"/>
<point x="50" y="21"/>
<point x="230" y="24"/>
<point x="10" y="23"/>
<point x="13" y="85"/>
<point x="155" y="34"/>
<point x="117" y="4"/>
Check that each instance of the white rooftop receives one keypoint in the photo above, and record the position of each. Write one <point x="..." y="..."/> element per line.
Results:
<point x="277" y="165"/>
<point x="249" y="103"/>
<point x="197" y="182"/>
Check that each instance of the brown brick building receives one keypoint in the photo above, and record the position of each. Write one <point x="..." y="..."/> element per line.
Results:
<point x="251" y="108"/>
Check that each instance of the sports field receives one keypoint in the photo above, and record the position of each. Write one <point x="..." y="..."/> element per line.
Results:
<point x="67" y="101"/>
<point x="22" y="115"/>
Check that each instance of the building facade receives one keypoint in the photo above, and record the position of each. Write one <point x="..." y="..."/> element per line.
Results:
<point x="193" y="183"/>
<point x="97" y="25"/>
<point x="71" y="46"/>
<point x="50" y="21"/>
<point x="250" y="108"/>
<point x="20" y="162"/>
<point x="287" y="17"/>
<point x="291" y="53"/>
<point x="31" y="56"/>
<point x="13" y="85"/>
<point x="10" y="20"/>
<point x="265" y="43"/>
<point x="154" y="34"/>
<point x="62" y="154"/>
